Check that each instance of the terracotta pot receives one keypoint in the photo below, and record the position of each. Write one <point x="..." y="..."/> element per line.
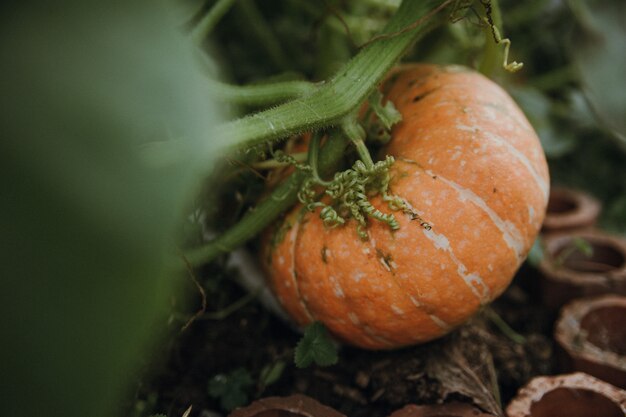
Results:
<point x="570" y="209"/>
<point x="572" y="395"/>
<point x="445" y="410"/>
<point x="592" y="335"/>
<point x="566" y="273"/>
<point x="293" y="406"/>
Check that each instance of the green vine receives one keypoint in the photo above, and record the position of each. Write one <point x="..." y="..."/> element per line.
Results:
<point x="344" y="92"/>
<point x="282" y="198"/>
<point x="209" y="20"/>
<point x="331" y="104"/>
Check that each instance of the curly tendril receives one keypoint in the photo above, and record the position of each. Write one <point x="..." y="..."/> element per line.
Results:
<point x="350" y="192"/>
<point x="285" y="158"/>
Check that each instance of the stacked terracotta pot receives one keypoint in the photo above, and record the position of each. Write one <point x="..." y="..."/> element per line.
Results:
<point x="583" y="276"/>
<point x="567" y="272"/>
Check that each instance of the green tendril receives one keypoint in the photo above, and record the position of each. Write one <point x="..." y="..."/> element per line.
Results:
<point x="285" y="158"/>
<point x="491" y="12"/>
<point x="350" y="192"/>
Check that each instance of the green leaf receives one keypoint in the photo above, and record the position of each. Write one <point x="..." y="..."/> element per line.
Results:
<point x="599" y="53"/>
<point x="615" y="215"/>
<point x="387" y="113"/>
<point x="271" y="373"/>
<point x="583" y="246"/>
<point x="232" y="389"/>
<point x="90" y="225"/>
<point x="556" y="141"/>
<point x="316" y="346"/>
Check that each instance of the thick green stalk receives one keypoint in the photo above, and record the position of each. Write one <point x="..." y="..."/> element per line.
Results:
<point x="345" y="91"/>
<point x="281" y="199"/>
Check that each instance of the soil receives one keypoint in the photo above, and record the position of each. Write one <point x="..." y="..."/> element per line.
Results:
<point x="462" y="366"/>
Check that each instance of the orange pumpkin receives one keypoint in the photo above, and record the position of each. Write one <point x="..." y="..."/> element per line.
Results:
<point x="469" y="163"/>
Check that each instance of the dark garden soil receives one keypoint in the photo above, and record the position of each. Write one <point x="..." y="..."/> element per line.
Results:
<point x="463" y="366"/>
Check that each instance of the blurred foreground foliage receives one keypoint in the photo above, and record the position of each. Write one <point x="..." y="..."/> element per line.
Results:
<point x="105" y="132"/>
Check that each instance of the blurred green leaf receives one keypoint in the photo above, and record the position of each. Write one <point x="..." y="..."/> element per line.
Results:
<point x="555" y="139"/>
<point x="271" y="373"/>
<point x="89" y="224"/>
<point x="599" y="52"/>
<point x="231" y="389"/>
<point x="316" y="346"/>
<point x="536" y="254"/>
<point x="583" y="246"/>
<point x="615" y="215"/>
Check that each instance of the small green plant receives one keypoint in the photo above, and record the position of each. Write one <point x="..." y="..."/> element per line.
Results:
<point x="316" y="346"/>
<point x="576" y="245"/>
<point x="231" y="389"/>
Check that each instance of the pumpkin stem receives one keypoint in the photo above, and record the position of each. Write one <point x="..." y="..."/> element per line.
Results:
<point x="355" y="132"/>
<point x="314" y="148"/>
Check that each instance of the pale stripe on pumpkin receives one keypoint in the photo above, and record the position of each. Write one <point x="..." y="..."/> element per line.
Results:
<point x="541" y="183"/>
<point x="510" y="234"/>
<point x="472" y="280"/>
<point x="293" y="275"/>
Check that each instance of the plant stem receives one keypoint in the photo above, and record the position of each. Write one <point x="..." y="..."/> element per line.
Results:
<point x="492" y="54"/>
<point x="504" y="327"/>
<point x="230" y="309"/>
<point x="314" y="149"/>
<point x="355" y="133"/>
<point x="344" y="92"/>
<point x="261" y="94"/>
<point x="282" y="198"/>
<point x="210" y="20"/>
<point x="255" y="22"/>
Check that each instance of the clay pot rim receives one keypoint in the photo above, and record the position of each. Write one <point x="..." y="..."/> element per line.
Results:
<point x="567" y="330"/>
<point x="296" y="403"/>
<point x="535" y="390"/>
<point x="447" y="409"/>
<point x="586" y="211"/>
<point x="555" y="241"/>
